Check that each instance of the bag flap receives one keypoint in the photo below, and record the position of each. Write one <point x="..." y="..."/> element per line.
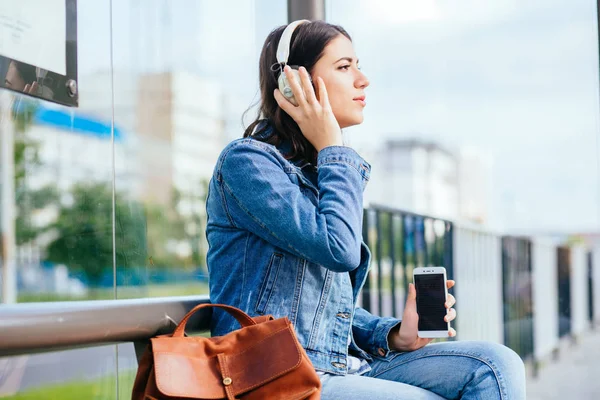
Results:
<point x="180" y="374"/>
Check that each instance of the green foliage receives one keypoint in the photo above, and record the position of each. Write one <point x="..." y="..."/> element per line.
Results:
<point x="26" y="202"/>
<point x="83" y="232"/>
<point x="194" y="224"/>
<point x="84" y="240"/>
<point x="170" y="224"/>
<point x="99" y="389"/>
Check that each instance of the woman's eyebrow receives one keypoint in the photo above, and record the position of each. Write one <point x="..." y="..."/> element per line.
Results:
<point x="349" y="59"/>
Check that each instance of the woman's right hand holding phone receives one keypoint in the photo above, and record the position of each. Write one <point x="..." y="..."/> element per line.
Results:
<point x="406" y="338"/>
<point x="314" y="116"/>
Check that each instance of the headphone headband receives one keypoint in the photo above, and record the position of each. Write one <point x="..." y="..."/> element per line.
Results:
<point x="283" y="48"/>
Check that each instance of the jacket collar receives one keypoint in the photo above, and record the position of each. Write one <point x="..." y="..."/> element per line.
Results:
<point x="264" y="130"/>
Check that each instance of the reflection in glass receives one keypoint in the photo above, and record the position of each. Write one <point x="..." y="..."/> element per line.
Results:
<point x="20" y="77"/>
<point x="179" y="97"/>
<point x="39" y="49"/>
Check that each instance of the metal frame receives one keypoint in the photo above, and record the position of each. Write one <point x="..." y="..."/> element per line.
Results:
<point x="40" y="327"/>
<point x="64" y="87"/>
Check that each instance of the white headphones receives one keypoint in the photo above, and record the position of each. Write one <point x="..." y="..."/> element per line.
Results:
<point x="283" y="53"/>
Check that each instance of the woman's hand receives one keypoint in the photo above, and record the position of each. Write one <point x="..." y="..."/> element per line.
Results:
<point x="314" y="116"/>
<point x="406" y="338"/>
<point x="31" y="88"/>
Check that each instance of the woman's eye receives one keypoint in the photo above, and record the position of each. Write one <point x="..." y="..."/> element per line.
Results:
<point x="345" y="67"/>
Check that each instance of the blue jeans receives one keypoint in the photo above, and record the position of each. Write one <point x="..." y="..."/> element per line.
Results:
<point x="466" y="370"/>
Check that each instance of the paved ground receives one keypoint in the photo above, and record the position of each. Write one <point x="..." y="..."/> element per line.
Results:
<point x="575" y="375"/>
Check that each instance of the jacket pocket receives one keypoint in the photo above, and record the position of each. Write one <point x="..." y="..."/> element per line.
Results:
<point x="266" y="289"/>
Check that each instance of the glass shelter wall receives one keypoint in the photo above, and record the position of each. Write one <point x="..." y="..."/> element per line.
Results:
<point x="109" y="196"/>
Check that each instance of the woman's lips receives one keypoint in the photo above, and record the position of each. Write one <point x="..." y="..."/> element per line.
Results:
<point x="361" y="100"/>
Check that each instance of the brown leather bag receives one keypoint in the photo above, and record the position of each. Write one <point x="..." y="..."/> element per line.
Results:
<point x="262" y="360"/>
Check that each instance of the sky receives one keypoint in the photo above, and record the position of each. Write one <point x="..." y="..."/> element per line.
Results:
<point x="518" y="81"/>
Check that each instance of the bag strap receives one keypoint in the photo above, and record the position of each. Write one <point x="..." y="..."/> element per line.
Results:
<point x="243" y="318"/>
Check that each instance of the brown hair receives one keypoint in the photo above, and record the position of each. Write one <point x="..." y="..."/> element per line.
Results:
<point x="307" y="46"/>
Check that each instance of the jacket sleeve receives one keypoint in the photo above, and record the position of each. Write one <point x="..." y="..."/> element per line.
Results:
<point x="259" y="196"/>
<point x="371" y="332"/>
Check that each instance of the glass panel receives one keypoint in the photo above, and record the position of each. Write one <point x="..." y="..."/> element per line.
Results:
<point x="127" y="369"/>
<point x="74" y="374"/>
<point x="182" y="82"/>
<point x="60" y="246"/>
<point x="62" y="171"/>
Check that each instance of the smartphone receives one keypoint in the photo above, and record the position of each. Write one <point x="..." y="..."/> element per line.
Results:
<point x="432" y="292"/>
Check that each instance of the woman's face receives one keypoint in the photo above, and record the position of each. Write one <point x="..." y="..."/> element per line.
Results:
<point x="338" y="67"/>
<point x="13" y="78"/>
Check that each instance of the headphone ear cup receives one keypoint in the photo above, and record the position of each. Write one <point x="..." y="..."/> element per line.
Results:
<point x="285" y="88"/>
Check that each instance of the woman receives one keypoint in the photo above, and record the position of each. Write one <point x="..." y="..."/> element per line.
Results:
<point x="21" y="77"/>
<point x="285" y="238"/>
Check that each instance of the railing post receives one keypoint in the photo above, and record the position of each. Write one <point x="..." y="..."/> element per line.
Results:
<point x="392" y="242"/>
<point x="422" y="228"/>
<point x="366" y="291"/>
<point x="448" y="257"/>
<point x="404" y="247"/>
<point x="590" y="279"/>
<point x="517" y="295"/>
<point x="564" y="291"/>
<point x="379" y="246"/>
<point x="306" y="9"/>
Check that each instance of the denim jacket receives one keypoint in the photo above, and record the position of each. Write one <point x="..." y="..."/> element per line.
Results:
<point x="285" y="238"/>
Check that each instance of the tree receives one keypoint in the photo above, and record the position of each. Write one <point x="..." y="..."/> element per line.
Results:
<point x="84" y="232"/>
<point x="26" y="162"/>
<point x="162" y="226"/>
<point x="194" y="222"/>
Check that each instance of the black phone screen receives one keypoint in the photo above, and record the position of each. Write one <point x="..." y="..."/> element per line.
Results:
<point x="431" y="297"/>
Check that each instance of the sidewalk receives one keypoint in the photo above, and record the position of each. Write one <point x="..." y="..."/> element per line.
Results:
<point x="575" y="375"/>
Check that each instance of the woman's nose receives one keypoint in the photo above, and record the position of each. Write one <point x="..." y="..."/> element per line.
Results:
<point x="361" y="81"/>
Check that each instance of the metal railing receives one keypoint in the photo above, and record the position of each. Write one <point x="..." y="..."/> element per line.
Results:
<point x="38" y="327"/>
<point x="478" y="273"/>
<point x="401" y="241"/>
<point x="545" y="292"/>
<point x="504" y="286"/>
<point x="590" y="286"/>
<point x="579" y="291"/>
<point x="517" y="282"/>
<point x="564" y="290"/>
<point x="596" y="284"/>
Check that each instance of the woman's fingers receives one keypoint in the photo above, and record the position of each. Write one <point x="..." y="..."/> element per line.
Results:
<point x="451" y="315"/>
<point x="295" y="85"/>
<point x="285" y="104"/>
<point x="451" y="332"/>
<point x="450" y="301"/>
<point x="309" y="92"/>
<point x="450" y="283"/>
